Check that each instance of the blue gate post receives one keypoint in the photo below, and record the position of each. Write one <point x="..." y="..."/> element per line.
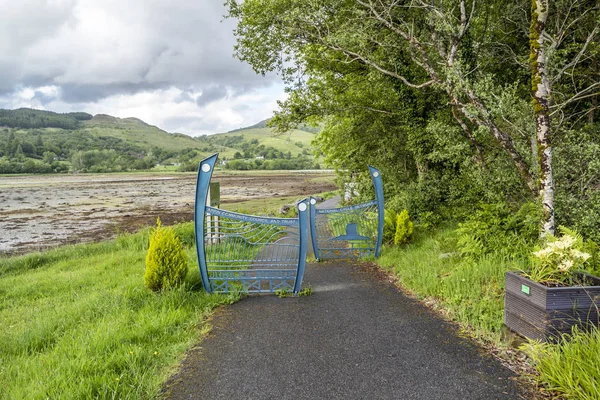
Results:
<point x="313" y="226"/>
<point x="378" y="183"/>
<point x="303" y="238"/>
<point x="205" y="171"/>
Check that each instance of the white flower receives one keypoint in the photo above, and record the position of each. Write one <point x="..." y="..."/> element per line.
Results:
<point x="565" y="265"/>
<point x="580" y="254"/>
<point x="566" y="242"/>
<point x="543" y="253"/>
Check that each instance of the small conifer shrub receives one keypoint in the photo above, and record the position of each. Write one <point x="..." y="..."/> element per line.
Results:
<point x="404" y="228"/>
<point x="166" y="262"/>
<point x="389" y="226"/>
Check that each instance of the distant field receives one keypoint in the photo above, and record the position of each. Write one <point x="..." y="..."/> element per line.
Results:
<point x="283" y="142"/>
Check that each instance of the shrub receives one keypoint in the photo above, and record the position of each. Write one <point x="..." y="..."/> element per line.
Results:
<point x="389" y="225"/>
<point x="166" y="262"/>
<point x="498" y="228"/>
<point x="556" y="262"/>
<point x="404" y="228"/>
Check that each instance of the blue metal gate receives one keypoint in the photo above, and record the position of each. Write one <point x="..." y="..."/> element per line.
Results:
<point x="246" y="253"/>
<point x="349" y="232"/>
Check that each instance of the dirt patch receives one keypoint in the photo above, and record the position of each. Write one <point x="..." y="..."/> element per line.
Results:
<point x="37" y="212"/>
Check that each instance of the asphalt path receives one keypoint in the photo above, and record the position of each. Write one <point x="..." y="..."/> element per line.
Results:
<point x="356" y="337"/>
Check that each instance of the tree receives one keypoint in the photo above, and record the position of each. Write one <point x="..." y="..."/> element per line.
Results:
<point x="449" y="48"/>
<point x="540" y="89"/>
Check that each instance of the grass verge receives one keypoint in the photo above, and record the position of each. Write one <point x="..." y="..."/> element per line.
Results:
<point x="79" y="323"/>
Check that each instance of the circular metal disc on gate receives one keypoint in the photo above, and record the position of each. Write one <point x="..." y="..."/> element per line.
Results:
<point x="302" y="207"/>
<point x="206" y="168"/>
<point x="313" y="201"/>
<point x="375" y="174"/>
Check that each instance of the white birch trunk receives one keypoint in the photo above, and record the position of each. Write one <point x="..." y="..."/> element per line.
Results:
<point x="541" y="95"/>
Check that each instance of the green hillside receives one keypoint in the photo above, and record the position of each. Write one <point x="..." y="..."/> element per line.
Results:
<point x="296" y="141"/>
<point x="37" y="141"/>
<point x="139" y="133"/>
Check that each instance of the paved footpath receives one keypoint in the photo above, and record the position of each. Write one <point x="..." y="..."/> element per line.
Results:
<point x="356" y="337"/>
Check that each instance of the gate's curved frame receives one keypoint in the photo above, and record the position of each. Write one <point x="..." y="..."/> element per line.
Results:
<point x="283" y="242"/>
<point x="363" y="235"/>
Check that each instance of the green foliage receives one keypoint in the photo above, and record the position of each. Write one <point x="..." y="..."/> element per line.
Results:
<point x="404" y="228"/>
<point x="307" y="291"/>
<point x="94" y="332"/>
<point x="283" y="293"/>
<point x="593" y="263"/>
<point x="558" y="260"/>
<point x="498" y="228"/>
<point x="166" y="262"/>
<point x="389" y="225"/>
<point x="570" y="367"/>
<point x="577" y="176"/>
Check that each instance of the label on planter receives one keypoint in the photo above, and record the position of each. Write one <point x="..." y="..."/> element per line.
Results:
<point x="525" y="289"/>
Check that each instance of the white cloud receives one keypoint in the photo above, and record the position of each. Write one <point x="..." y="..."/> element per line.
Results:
<point x="172" y="109"/>
<point x="168" y="63"/>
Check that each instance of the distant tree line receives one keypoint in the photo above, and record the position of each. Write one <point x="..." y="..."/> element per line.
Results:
<point x="300" y="162"/>
<point x="28" y="119"/>
<point x="43" y="151"/>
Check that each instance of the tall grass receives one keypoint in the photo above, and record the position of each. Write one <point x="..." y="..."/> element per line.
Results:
<point x="471" y="291"/>
<point x="570" y="367"/>
<point x="77" y="322"/>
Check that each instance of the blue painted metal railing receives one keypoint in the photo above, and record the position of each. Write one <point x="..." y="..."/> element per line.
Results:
<point x="246" y="253"/>
<point x="349" y="232"/>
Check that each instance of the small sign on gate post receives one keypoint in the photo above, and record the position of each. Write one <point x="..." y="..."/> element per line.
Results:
<point x="212" y="221"/>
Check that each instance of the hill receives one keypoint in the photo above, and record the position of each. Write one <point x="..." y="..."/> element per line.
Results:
<point x="295" y="142"/>
<point x="36" y="141"/>
<point x="29" y="118"/>
<point x="139" y="133"/>
<point x="263" y="124"/>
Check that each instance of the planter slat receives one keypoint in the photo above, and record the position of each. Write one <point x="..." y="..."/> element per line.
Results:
<point x="544" y="313"/>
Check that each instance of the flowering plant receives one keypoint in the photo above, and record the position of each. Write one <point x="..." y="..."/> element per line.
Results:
<point x="555" y="263"/>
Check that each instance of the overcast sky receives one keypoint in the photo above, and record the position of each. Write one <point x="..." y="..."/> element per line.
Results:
<point x="167" y="62"/>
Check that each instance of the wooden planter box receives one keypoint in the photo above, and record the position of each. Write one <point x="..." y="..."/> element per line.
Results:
<point x="544" y="313"/>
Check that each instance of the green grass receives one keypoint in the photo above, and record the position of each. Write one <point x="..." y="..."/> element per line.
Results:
<point x="471" y="292"/>
<point x="135" y="131"/>
<point x="284" y="142"/>
<point x="77" y="322"/>
<point x="572" y="366"/>
<point x="260" y="206"/>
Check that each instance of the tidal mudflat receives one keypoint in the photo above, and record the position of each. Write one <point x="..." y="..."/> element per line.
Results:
<point x="41" y="211"/>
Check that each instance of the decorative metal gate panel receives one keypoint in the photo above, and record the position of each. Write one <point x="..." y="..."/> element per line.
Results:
<point x="349" y="232"/>
<point x="246" y="253"/>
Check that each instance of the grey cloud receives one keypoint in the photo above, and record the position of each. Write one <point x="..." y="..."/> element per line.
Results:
<point x="185" y="96"/>
<point x="43" y="98"/>
<point x="91" y="93"/>
<point x="93" y="48"/>
<point x="211" y="94"/>
<point x="242" y="107"/>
